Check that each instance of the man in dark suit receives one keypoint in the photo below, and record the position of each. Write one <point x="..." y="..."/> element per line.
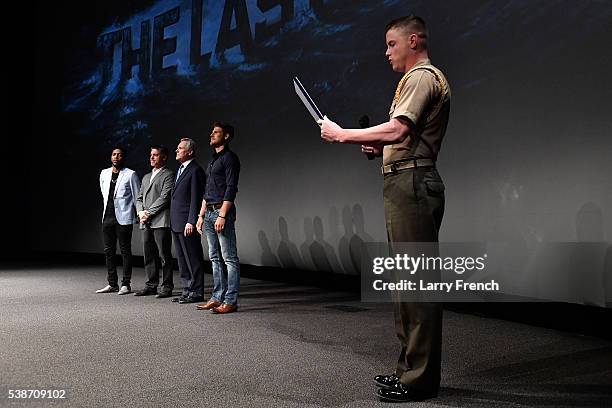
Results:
<point x="153" y="205"/>
<point x="185" y="203"/>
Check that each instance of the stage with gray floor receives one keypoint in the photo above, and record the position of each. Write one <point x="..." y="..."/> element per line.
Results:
<point x="287" y="346"/>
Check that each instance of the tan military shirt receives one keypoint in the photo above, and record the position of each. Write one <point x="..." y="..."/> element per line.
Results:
<point x="424" y="100"/>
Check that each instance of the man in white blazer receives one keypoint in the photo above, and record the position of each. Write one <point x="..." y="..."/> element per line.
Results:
<point x="153" y="205"/>
<point x="119" y="187"/>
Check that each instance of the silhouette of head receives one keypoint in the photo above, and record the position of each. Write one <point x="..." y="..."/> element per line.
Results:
<point x="283" y="228"/>
<point x="317" y="224"/>
<point x="358" y="219"/>
<point x="263" y="241"/>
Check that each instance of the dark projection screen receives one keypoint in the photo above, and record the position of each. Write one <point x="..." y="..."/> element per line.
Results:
<point x="526" y="158"/>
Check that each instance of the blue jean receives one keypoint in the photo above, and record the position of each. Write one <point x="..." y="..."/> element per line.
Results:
<point x="222" y="250"/>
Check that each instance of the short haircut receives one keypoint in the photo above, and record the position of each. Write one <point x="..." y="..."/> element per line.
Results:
<point x="411" y="23"/>
<point x="226" y="127"/>
<point x="163" y="150"/>
<point x="120" y="147"/>
<point x="191" y="144"/>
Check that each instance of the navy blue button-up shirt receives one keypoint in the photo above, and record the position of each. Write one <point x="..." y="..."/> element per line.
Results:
<point x="222" y="177"/>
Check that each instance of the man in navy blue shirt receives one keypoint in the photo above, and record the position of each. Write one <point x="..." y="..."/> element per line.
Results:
<point x="218" y="216"/>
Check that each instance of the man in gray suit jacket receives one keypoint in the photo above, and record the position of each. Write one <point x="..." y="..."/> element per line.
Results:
<point x="153" y="206"/>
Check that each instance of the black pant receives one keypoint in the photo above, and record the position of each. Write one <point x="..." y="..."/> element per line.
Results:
<point x="157" y="244"/>
<point x="113" y="231"/>
<point x="191" y="262"/>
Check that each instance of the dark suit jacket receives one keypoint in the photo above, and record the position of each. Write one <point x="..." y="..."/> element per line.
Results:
<point x="187" y="195"/>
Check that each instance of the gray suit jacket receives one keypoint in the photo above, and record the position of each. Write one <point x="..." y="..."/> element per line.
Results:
<point x="155" y="198"/>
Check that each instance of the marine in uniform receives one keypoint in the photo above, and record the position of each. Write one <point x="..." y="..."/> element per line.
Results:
<point x="413" y="194"/>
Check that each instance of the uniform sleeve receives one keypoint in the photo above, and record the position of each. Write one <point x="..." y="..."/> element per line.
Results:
<point x="418" y="93"/>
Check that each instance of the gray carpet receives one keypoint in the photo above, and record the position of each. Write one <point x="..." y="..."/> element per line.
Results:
<point x="288" y="346"/>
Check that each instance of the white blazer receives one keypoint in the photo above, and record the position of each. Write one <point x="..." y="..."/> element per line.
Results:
<point x="126" y="191"/>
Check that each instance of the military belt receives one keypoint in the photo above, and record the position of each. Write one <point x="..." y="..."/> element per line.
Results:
<point x="406" y="164"/>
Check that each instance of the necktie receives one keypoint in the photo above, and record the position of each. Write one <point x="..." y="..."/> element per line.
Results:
<point x="180" y="172"/>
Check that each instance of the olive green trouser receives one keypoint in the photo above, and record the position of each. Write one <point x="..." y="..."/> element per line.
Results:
<point x="414" y="206"/>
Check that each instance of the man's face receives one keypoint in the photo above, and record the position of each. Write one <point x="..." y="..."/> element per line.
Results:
<point x="217" y="137"/>
<point x="399" y="48"/>
<point x="117" y="158"/>
<point x="182" y="153"/>
<point x="156" y="159"/>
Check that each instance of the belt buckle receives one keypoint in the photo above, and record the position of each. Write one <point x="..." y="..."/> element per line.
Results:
<point x="393" y="167"/>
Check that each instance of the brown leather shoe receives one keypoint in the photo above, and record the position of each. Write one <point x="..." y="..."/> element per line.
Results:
<point x="212" y="303"/>
<point x="225" y="308"/>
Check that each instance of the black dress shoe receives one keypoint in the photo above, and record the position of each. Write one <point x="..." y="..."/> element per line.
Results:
<point x="164" y="293"/>
<point x="146" y="292"/>
<point x="403" y="393"/>
<point x="178" y="299"/>
<point x="191" y="299"/>
<point x="386" y="381"/>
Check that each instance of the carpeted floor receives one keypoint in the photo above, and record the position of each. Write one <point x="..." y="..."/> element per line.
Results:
<point x="288" y="346"/>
